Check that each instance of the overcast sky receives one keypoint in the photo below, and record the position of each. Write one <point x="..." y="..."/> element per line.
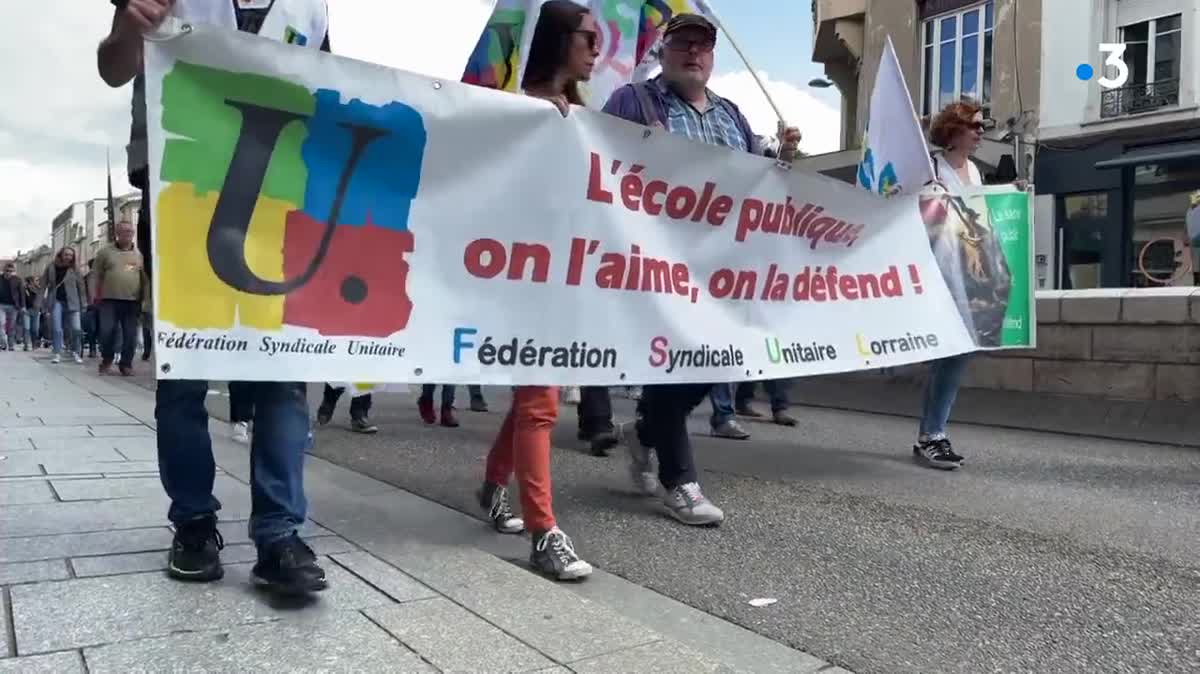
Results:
<point x="58" y="118"/>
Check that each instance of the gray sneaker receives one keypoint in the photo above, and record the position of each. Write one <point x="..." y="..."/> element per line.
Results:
<point x="687" y="504"/>
<point x="731" y="430"/>
<point x="493" y="498"/>
<point x="554" y="555"/>
<point x="643" y="465"/>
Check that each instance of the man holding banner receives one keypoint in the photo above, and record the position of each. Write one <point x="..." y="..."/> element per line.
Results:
<point x="679" y="101"/>
<point x="185" y="456"/>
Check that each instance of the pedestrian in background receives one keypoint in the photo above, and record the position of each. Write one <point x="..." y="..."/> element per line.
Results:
<point x="120" y="289"/>
<point x="67" y="297"/>
<point x="33" y="311"/>
<point x="12" y="306"/>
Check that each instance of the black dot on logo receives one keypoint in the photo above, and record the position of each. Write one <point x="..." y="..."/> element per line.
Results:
<point x="354" y="289"/>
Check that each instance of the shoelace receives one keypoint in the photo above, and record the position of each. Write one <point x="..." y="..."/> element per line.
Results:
<point x="560" y="544"/>
<point x="195" y="537"/>
<point x="691" y="493"/>
<point x="500" y="507"/>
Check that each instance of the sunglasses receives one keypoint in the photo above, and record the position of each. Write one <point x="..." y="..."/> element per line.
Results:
<point x="681" y="44"/>
<point x="591" y="36"/>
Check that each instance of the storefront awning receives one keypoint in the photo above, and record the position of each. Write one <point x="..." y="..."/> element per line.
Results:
<point x="1154" y="154"/>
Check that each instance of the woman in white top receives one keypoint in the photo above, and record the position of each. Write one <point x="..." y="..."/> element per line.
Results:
<point x="958" y="130"/>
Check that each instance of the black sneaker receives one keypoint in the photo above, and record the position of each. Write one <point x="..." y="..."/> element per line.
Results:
<point x="196" y="551"/>
<point x="363" y="425"/>
<point x="478" y="405"/>
<point x="554" y="555"/>
<point x="603" y="442"/>
<point x="324" y="414"/>
<point x="937" y="454"/>
<point x="288" y="566"/>
<point x="494" y="500"/>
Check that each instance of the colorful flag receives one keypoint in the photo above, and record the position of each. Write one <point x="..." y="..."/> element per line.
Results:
<point x="895" y="157"/>
<point x="629" y="29"/>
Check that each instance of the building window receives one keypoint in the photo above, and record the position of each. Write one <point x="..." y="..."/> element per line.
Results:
<point x="957" y="58"/>
<point x="1153" y="55"/>
<point x="1161" y="254"/>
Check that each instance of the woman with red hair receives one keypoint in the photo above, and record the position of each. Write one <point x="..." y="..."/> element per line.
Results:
<point x="958" y="131"/>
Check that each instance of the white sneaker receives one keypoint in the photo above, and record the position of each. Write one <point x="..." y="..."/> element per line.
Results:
<point x="241" y="432"/>
<point x="570" y="395"/>
<point x="56" y="359"/>
<point x="687" y="504"/>
<point x="78" y="358"/>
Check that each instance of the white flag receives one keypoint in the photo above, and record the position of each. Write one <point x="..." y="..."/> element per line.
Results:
<point x="895" y="157"/>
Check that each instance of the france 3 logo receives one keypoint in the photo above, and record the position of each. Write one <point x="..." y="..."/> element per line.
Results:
<point x="1115" y="59"/>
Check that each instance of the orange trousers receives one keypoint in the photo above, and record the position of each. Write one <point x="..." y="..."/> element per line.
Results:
<point x="523" y="447"/>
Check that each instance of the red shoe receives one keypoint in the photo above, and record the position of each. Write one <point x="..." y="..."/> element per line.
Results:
<point x="425" y="408"/>
<point x="448" y="419"/>
<point x="126" y="371"/>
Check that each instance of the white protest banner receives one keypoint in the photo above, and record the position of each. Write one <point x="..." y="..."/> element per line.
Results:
<point x="321" y="219"/>
<point x="431" y="37"/>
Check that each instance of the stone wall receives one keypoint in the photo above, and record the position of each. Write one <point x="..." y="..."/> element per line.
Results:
<point x="1110" y="363"/>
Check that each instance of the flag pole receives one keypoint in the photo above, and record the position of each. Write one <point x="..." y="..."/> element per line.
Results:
<point x="753" y="73"/>
<point x="112" y="204"/>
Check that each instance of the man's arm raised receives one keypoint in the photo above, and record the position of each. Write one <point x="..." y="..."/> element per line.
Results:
<point x="119" y="57"/>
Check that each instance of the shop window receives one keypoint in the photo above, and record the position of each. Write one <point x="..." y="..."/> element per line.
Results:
<point x="1162" y="253"/>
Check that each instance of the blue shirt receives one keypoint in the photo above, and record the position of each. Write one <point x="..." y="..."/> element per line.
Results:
<point x="714" y="126"/>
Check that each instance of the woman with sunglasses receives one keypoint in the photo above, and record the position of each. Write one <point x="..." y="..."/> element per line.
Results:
<point x="958" y="131"/>
<point x="562" y="53"/>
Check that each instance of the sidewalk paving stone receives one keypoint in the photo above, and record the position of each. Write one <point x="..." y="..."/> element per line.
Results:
<point x="29" y="461"/>
<point x="74" y="467"/>
<point x="28" y="572"/>
<point x="514" y="601"/>
<point x="109" y="609"/>
<point x="76" y="444"/>
<point x="125" y="487"/>
<point x="68" y="662"/>
<point x="659" y="657"/>
<point x="22" y="493"/>
<point x="42" y="519"/>
<point x="385" y="577"/>
<point x="456" y="640"/>
<point x="76" y="545"/>
<point x="122" y="431"/>
<point x="344" y="641"/>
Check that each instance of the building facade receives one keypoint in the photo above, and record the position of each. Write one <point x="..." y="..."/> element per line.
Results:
<point x="985" y="50"/>
<point x="84" y="225"/>
<point x="1116" y="167"/>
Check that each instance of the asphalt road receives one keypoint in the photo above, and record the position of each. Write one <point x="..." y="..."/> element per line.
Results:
<point x="1046" y="553"/>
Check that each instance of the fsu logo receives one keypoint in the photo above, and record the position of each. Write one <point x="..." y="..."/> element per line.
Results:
<point x="282" y="206"/>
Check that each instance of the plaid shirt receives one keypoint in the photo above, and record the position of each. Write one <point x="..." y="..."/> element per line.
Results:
<point x="715" y="126"/>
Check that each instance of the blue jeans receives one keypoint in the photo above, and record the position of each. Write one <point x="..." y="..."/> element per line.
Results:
<point x="448" y="394"/>
<point x="777" y="392"/>
<point x="33" y="326"/>
<point x="9" y="314"/>
<point x="945" y="376"/>
<point x="721" y="397"/>
<point x="187" y="469"/>
<point x="59" y="316"/>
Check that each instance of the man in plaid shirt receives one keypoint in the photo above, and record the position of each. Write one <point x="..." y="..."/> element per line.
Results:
<point x="679" y="101"/>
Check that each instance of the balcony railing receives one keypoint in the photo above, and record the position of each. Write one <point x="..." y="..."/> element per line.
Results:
<point x="1135" y="98"/>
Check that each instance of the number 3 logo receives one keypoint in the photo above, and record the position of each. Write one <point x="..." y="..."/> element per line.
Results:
<point x="1116" y="54"/>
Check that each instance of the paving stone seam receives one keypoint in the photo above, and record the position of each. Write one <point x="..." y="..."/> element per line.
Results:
<point x="9" y="625"/>
<point x="81" y="533"/>
<point x="598" y="656"/>
<point x="395" y="638"/>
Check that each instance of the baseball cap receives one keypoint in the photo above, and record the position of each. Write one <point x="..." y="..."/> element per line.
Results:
<point x="687" y="20"/>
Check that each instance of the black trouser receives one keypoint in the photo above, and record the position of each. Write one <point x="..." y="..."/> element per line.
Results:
<point x="241" y="401"/>
<point x="119" y="315"/>
<point x="360" y="406"/>
<point x="147" y="333"/>
<point x="777" y="391"/>
<point x="140" y="178"/>
<point x="664" y="410"/>
<point x="595" y="411"/>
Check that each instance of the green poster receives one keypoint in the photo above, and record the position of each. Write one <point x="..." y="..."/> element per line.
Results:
<point x="1010" y="216"/>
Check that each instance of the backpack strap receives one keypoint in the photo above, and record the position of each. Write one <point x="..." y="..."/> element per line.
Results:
<point x="649" y="112"/>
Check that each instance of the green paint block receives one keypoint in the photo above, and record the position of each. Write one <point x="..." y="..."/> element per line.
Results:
<point x="195" y="110"/>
